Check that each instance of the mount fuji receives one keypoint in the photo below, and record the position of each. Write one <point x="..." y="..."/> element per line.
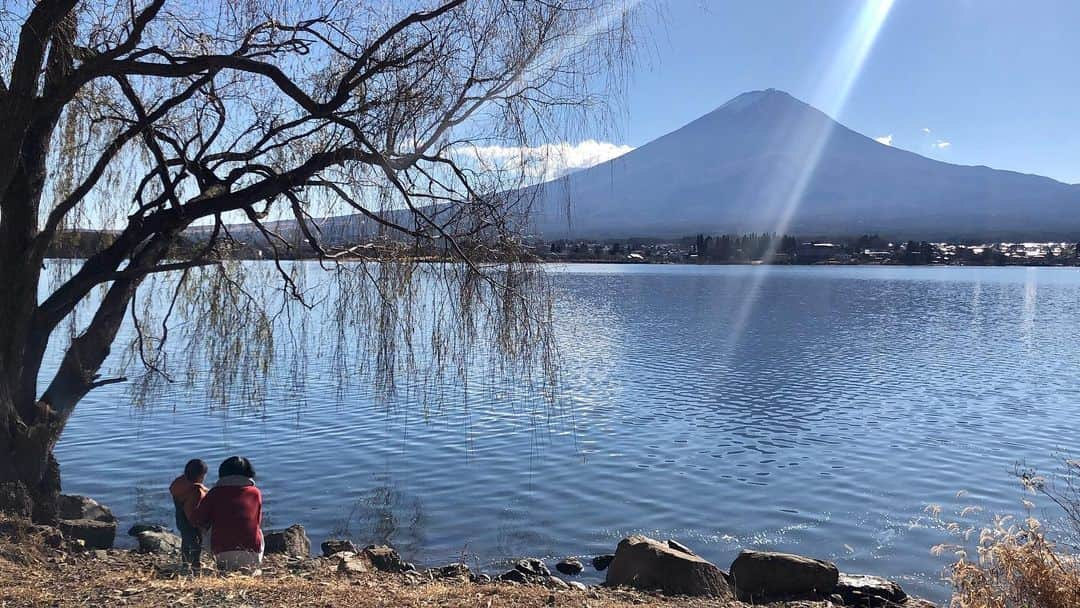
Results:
<point x="766" y="161"/>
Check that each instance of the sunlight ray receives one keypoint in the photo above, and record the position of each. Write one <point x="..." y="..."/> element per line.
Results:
<point x="783" y="194"/>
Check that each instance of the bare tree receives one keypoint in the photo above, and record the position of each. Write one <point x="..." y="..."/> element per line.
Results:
<point x="171" y="122"/>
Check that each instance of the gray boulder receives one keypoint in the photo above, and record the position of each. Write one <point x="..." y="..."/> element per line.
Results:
<point x="646" y="563"/>
<point x="334" y="545"/>
<point x="94" y="534"/>
<point x="577" y="585"/>
<point x="291" y="541"/>
<point x="766" y="574"/>
<point x="73" y="506"/>
<point x="866" y="590"/>
<point x="151" y="541"/>
<point x="601" y="562"/>
<point x="570" y="566"/>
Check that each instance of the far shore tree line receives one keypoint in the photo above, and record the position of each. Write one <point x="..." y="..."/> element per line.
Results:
<point x="769" y="248"/>
<point x="700" y="249"/>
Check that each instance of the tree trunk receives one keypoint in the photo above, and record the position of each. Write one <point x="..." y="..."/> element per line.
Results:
<point x="29" y="473"/>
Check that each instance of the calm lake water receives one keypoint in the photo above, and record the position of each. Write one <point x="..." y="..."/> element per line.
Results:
<point x="812" y="409"/>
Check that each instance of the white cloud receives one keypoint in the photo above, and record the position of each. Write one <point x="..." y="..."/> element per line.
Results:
<point x="941" y="144"/>
<point x="547" y="161"/>
<point x="884" y="139"/>
<point x="926" y="130"/>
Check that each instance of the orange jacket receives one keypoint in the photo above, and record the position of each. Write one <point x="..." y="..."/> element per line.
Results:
<point x="187" y="495"/>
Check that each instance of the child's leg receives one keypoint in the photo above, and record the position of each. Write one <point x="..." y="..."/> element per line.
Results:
<point x="190" y="540"/>
<point x="196" y="548"/>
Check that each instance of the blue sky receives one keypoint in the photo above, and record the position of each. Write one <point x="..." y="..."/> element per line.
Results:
<point x="996" y="80"/>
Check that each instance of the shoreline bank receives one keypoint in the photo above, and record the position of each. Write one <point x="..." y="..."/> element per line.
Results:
<point x="78" y="560"/>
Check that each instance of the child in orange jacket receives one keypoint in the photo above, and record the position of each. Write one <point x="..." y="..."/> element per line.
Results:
<point x="187" y="492"/>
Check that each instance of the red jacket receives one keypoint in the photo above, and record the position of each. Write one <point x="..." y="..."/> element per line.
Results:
<point x="233" y="510"/>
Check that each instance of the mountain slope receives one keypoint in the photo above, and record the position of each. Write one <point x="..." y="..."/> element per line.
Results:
<point x="746" y="167"/>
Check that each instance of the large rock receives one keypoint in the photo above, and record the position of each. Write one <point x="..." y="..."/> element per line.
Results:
<point x="765" y="574"/>
<point x="384" y="558"/>
<point x="650" y="564"/>
<point x="292" y="541"/>
<point x="95" y="534"/>
<point x="570" y="566"/>
<point x="865" y="590"/>
<point x="151" y="541"/>
<point x="335" y="545"/>
<point x="73" y="506"/>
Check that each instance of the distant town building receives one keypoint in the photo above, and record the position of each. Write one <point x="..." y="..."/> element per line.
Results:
<point x="812" y="253"/>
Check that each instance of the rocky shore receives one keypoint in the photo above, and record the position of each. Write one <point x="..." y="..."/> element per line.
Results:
<point x="77" y="559"/>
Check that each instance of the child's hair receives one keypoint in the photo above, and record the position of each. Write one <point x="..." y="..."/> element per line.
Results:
<point x="236" y="465"/>
<point x="195" y="468"/>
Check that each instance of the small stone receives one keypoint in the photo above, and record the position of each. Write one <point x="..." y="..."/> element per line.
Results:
<point x="456" y="570"/>
<point x="554" y="582"/>
<point x="138" y="529"/>
<point x="291" y="541"/>
<point x="601" y="562"/>
<point x="674" y="544"/>
<point x="351" y="563"/>
<point x="514" y="576"/>
<point x="334" y="545"/>
<point x="532" y="566"/>
<point x="580" y="586"/>
<point x="481" y="579"/>
<point x="867" y="590"/>
<point x="158" y="542"/>
<point x="570" y="566"/>
<point x="384" y="558"/>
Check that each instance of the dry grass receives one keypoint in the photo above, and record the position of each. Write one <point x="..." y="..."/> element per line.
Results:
<point x="1019" y="565"/>
<point x="33" y="576"/>
<point x="1017" y="568"/>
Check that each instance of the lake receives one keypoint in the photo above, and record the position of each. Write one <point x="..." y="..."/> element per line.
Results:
<point x="813" y="409"/>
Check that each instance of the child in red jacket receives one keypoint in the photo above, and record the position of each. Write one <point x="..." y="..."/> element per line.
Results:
<point x="233" y="511"/>
<point x="187" y="491"/>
